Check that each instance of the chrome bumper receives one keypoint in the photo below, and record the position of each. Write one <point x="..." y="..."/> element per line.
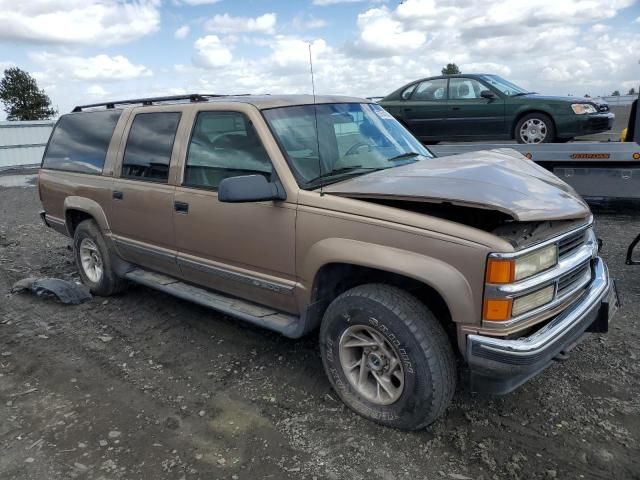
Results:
<point x="499" y="365"/>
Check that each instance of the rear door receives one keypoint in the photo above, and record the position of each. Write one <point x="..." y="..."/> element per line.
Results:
<point x="143" y="190"/>
<point x="471" y="115"/>
<point x="425" y="111"/>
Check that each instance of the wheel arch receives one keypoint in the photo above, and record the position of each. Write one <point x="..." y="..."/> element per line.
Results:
<point x="336" y="265"/>
<point x="78" y="209"/>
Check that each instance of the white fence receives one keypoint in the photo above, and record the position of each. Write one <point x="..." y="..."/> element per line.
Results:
<point x="23" y="143"/>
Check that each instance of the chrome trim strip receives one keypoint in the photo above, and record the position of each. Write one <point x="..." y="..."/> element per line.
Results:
<point x="578" y="258"/>
<point x="236" y="277"/>
<point x="535" y="247"/>
<point x="145" y="250"/>
<point x="547" y="336"/>
<point x="56" y="220"/>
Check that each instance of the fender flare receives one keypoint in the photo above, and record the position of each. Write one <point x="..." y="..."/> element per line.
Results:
<point x="449" y="282"/>
<point x="88" y="206"/>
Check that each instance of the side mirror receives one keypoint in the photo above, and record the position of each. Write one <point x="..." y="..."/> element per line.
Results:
<point x="487" y="94"/>
<point x="249" y="188"/>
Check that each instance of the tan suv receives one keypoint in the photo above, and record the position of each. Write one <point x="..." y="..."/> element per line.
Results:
<point x="298" y="213"/>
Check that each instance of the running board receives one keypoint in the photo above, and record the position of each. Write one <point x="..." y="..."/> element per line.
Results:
<point x="260" y="315"/>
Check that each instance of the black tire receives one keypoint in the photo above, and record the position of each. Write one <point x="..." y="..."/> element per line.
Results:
<point x="427" y="357"/>
<point x="108" y="283"/>
<point x="550" y="135"/>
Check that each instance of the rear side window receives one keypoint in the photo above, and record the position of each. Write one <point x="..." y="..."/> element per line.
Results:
<point x="148" y="151"/>
<point x="80" y="141"/>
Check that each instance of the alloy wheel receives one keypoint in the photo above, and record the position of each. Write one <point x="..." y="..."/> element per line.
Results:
<point x="371" y="364"/>
<point x="91" y="260"/>
<point x="533" y="130"/>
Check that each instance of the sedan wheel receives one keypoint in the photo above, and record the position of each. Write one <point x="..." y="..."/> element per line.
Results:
<point x="533" y="130"/>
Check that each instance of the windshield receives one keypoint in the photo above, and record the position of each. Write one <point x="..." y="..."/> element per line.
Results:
<point x="505" y="86"/>
<point x="326" y="143"/>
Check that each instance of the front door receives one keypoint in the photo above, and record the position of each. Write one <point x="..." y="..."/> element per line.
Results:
<point x="244" y="249"/>
<point x="142" y="196"/>
<point x="471" y="115"/>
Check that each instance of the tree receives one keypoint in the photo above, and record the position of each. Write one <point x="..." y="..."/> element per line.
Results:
<point x="451" y="69"/>
<point x="632" y="91"/>
<point x="22" y="98"/>
<point x="615" y="93"/>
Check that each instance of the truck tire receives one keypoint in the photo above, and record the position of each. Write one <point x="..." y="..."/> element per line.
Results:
<point x="387" y="356"/>
<point x="94" y="260"/>
<point x="535" y="128"/>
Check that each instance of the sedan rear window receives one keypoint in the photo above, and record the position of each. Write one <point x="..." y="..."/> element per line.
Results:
<point x="80" y="141"/>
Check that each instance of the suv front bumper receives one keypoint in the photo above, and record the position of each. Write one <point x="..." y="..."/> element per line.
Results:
<point x="500" y="365"/>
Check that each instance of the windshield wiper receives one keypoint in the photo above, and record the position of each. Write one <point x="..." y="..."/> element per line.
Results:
<point x="343" y="171"/>
<point x="403" y="155"/>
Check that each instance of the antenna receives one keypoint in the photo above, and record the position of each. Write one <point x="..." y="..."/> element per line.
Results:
<point x="315" y="114"/>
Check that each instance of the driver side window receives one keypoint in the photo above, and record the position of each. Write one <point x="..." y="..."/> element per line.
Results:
<point x="465" y="88"/>
<point x="224" y="145"/>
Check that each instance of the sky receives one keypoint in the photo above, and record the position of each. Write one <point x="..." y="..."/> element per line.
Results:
<point x="86" y="51"/>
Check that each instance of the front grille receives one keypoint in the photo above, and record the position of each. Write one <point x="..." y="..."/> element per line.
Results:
<point x="570" y="243"/>
<point x="571" y="281"/>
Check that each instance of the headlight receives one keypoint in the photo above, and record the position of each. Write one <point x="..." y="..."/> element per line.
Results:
<point x="583" y="108"/>
<point x="501" y="270"/>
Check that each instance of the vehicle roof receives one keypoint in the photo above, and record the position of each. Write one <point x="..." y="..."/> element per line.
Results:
<point x="273" y="101"/>
<point x="261" y="102"/>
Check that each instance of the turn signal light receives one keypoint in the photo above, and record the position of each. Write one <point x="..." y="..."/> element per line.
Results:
<point x="497" y="310"/>
<point x="500" y="270"/>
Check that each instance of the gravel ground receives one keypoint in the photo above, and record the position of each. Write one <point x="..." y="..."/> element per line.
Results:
<point x="146" y="386"/>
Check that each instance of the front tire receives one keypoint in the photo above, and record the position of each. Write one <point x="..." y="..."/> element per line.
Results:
<point x="387" y="356"/>
<point x="94" y="260"/>
<point x="535" y="128"/>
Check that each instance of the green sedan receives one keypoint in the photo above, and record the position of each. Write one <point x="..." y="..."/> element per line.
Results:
<point x="488" y="107"/>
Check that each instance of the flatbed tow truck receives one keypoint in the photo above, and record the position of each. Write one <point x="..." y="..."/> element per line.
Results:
<point x="599" y="171"/>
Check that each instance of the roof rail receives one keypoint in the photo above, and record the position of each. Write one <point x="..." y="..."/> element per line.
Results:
<point x="192" y="97"/>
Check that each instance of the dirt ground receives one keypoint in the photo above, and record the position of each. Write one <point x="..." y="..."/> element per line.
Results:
<point x="146" y="386"/>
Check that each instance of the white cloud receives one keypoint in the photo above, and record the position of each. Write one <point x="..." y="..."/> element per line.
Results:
<point x="96" y="91"/>
<point x="196" y="3"/>
<point x="99" y="68"/>
<point x="211" y="52"/>
<point x="382" y="34"/>
<point x="308" y="23"/>
<point x="324" y="3"/>
<point x="86" y="22"/>
<point x="182" y="32"/>
<point x="228" y="24"/>
<point x="637" y="20"/>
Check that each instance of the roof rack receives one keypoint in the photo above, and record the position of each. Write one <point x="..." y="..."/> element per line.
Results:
<point x="192" y="97"/>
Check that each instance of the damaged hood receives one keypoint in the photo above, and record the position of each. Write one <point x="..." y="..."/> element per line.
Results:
<point x="500" y="179"/>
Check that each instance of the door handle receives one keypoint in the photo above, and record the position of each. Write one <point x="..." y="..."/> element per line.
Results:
<point x="455" y="108"/>
<point x="407" y="109"/>
<point x="181" y="207"/>
<point x="117" y="195"/>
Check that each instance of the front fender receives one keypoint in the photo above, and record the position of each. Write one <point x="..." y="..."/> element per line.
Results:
<point x="449" y="282"/>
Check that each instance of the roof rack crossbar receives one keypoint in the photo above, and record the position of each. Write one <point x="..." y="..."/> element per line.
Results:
<point x="192" y="97"/>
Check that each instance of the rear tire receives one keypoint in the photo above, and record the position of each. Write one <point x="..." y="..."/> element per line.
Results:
<point x="409" y="373"/>
<point x="94" y="260"/>
<point x="535" y="128"/>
